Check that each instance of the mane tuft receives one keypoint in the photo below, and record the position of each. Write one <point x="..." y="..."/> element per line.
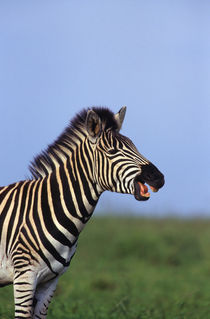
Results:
<point x="43" y="164"/>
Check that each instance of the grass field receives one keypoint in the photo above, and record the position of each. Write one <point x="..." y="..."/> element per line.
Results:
<point x="134" y="269"/>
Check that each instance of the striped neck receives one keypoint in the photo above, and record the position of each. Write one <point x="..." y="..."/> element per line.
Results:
<point x="73" y="180"/>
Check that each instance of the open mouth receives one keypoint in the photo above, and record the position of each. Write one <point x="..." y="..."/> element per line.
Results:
<point x="141" y="190"/>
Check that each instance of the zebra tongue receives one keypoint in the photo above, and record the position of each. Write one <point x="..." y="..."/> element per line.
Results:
<point x="143" y="190"/>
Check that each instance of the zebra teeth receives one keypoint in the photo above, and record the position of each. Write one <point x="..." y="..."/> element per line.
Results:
<point x="144" y="190"/>
<point x="153" y="189"/>
<point x="141" y="191"/>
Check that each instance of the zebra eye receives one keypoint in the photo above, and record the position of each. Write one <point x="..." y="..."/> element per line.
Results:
<point x="112" y="151"/>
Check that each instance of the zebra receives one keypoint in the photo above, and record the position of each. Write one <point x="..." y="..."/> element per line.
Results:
<point x="42" y="217"/>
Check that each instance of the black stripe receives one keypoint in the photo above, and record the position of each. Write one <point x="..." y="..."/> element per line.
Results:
<point x="22" y="208"/>
<point x="61" y="217"/>
<point x="5" y="210"/>
<point x="47" y="216"/>
<point x="46" y="243"/>
<point x="77" y="192"/>
<point x="86" y="186"/>
<point x="7" y="189"/>
<point x="11" y="225"/>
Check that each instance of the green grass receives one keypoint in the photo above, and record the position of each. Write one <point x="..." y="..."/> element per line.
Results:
<point x="134" y="269"/>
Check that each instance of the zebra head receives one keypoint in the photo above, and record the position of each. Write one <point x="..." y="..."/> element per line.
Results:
<point x="118" y="166"/>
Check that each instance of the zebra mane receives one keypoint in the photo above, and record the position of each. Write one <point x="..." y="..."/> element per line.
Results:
<point x="44" y="163"/>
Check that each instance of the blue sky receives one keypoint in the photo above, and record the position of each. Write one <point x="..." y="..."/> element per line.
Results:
<point x="57" y="57"/>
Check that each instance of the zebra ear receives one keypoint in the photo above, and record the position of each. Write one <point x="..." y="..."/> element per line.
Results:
<point x="119" y="117"/>
<point x="93" y="125"/>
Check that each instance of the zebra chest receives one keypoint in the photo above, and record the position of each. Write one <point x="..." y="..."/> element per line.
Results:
<point x="56" y="265"/>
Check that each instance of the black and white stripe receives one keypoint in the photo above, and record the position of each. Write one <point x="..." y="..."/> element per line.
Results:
<point x="41" y="218"/>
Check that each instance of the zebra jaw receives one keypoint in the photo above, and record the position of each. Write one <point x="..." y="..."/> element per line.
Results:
<point x="141" y="191"/>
